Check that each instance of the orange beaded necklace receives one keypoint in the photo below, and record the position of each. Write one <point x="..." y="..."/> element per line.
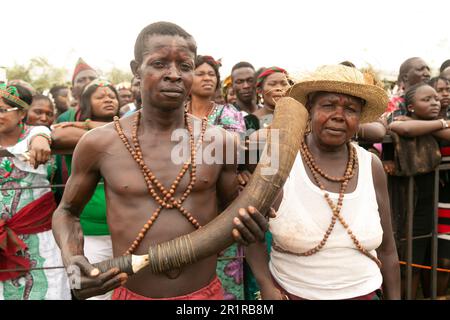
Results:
<point x="350" y="171"/>
<point x="165" y="199"/>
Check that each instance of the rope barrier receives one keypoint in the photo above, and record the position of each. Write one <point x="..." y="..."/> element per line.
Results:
<point x="40" y="187"/>
<point x="31" y="269"/>
<point x="419" y="266"/>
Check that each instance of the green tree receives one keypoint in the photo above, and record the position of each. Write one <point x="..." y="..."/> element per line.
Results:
<point x="39" y="73"/>
<point x="44" y="75"/>
<point x="18" y="71"/>
<point x="116" y="75"/>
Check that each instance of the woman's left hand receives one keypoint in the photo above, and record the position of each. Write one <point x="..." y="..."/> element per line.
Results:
<point x="272" y="293"/>
<point x="389" y="166"/>
<point x="39" y="152"/>
<point x="244" y="177"/>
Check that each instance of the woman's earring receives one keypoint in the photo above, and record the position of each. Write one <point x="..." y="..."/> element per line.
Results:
<point x="260" y="98"/>
<point x="308" y="126"/>
<point x="357" y="136"/>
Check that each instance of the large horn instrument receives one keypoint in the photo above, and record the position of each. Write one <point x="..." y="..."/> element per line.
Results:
<point x="290" y="122"/>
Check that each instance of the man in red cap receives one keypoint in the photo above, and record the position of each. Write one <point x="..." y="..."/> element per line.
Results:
<point x="82" y="75"/>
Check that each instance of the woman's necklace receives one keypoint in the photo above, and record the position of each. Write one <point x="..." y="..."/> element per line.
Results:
<point x="350" y="171"/>
<point x="271" y="109"/>
<point x="212" y="107"/>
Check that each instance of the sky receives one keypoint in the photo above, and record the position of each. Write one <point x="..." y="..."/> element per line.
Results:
<point x="297" y="35"/>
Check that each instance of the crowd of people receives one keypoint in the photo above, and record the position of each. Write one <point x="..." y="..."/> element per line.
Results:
<point x="337" y="230"/>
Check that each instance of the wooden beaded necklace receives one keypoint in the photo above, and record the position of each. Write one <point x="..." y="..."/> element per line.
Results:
<point x="165" y="199"/>
<point x="350" y="171"/>
<point x="212" y="108"/>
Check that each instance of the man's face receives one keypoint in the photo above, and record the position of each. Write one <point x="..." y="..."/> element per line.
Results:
<point x="125" y="96"/>
<point x="62" y="100"/>
<point x="83" y="78"/>
<point x="166" y="72"/>
<point x="244" y="84"/>
<point x="419" y="72"/>
<point x="446" y="73"/>
<point x="136" y="91"/>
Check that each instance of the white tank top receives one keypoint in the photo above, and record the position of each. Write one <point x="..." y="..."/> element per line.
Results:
<point x="338" y="270"/>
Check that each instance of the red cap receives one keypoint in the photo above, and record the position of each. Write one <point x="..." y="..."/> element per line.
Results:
<point x="80" y="66"/>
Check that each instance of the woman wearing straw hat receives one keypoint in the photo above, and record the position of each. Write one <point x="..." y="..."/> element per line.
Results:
<point x="332" y="237"/>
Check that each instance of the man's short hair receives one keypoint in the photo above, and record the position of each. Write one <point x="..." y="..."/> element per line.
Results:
<point x="242" y="64"/>
<point x="444" y="65"/>
<point x="160" y="28"/>
<point x="405" y="67"/>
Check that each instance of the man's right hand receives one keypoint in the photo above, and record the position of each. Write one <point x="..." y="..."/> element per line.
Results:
<point x="87" y="281"/>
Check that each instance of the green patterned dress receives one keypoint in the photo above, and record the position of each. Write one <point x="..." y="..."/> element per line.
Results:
<point x="42" y="249"/>
<point x="230" y="262"/>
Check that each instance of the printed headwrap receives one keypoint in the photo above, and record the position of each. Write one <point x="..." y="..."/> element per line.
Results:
<point x="266" y="73"/>
<point x="80" y="66"/>
<point x="218" y="63"/>
<point x="24" y="84"/>
<point x="97" y="83"/>
<point x="12" y="94"/>
<point x="226" y="84"/>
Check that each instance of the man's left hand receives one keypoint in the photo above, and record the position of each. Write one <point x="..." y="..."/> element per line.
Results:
<point x="250" y="225"/>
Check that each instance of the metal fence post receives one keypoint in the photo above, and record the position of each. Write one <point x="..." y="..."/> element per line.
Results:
<point x="409" y="236"/>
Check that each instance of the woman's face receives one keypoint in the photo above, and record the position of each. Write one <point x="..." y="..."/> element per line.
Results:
<point x="9" y="120"/>
<point x="218" y="97"/>
<point x="231" y="96"/>
<point x="104" y="103"/>
<point x="274" y="88"/>
<point x="205" y="81"/>
<point x="334" y="118"/>
<point x="443" y="92"/>
<point x="425" y="104"/>
<point x="40" y="113"/>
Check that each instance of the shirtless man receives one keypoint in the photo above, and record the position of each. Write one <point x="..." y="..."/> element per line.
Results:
<point x="164" y="64"/>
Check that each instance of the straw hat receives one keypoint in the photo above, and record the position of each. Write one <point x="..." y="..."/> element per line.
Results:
<point x="347" y="80"/>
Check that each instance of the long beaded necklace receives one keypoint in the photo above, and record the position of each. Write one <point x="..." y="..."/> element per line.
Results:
<point x="165" y="199"/>
<point x="350" y="171"/>
<point x="209" y="113"/>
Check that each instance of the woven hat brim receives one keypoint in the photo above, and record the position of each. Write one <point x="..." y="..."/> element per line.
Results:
<point x="376" y="98"/>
